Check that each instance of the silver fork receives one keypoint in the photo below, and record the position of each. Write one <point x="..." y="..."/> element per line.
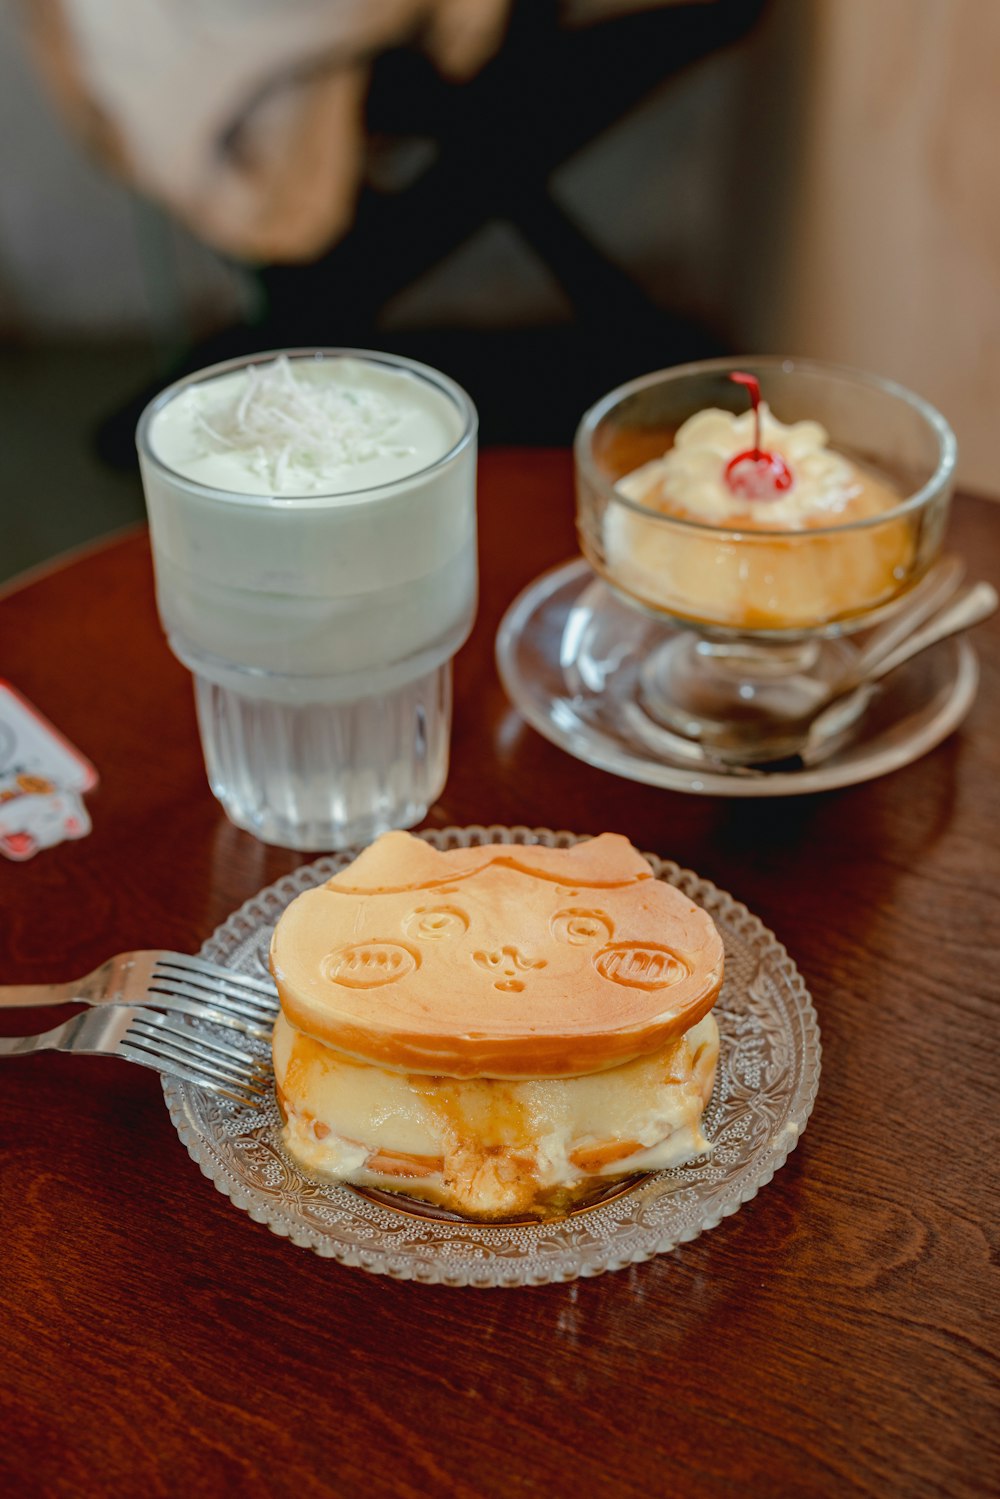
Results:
<point x="164" y="981"/>
<point x="152" y="1040"/>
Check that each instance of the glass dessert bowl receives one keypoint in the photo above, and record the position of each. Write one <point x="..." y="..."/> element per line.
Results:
<point x="763" y="511"/>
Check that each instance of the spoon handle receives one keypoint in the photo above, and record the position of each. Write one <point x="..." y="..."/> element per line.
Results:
<point x="826" y="731"/>
<point x="972" y="605"/>
<point x="924" y="599"/>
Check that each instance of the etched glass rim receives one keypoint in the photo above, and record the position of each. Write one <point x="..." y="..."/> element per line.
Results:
<point x="610" y="1235"/>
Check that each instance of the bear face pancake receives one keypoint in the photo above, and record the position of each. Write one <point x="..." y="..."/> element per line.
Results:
<point x="498" y="961"/>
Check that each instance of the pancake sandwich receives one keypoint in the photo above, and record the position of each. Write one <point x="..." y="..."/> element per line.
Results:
<point x="495" y="1030"/>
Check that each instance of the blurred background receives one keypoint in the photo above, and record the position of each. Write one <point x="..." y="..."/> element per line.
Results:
<point x="542" y="198"/>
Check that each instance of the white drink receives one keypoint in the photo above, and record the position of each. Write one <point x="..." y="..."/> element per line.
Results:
<point x="314" y="538"/>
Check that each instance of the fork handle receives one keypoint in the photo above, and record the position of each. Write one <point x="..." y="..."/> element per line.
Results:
<point x="20" y="996"/>
<point x="16" y="1046"/>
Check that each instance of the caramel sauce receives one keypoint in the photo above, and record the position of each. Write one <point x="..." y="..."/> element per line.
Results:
<point x="496" y="1118"/>
<point x="549" y="1207"/>
<point x="619" y="451"/>
<point x="399" y="1163"/>
<point x="595" y="1157"/>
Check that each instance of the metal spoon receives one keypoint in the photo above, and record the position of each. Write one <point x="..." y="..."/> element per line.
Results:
<point x="925" y="598"/>
<point x="972" y="605"/>
<point x="824" y="734"/>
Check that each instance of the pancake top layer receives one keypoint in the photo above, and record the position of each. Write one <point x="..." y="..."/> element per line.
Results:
<point x="500" y="961"/>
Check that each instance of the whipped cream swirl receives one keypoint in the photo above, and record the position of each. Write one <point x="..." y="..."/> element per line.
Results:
<point x="690" y="479"/>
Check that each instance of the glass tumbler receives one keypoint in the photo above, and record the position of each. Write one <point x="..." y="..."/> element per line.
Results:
<point x="320" y="627"/>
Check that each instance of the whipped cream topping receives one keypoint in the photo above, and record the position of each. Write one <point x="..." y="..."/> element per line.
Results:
<point x="690" y="479"/>
<point x="305" y="426"/>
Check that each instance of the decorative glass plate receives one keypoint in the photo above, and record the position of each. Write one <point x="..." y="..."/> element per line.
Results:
<point x="767" y="1079"/>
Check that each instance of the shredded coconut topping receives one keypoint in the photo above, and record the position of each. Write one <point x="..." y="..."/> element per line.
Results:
<point x="283" y="420"/>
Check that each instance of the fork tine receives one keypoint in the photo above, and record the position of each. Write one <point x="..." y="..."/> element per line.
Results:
<point x="172" y="1057"/>
<point x="254" y="1008"/>
<point x="241" y="1093"/>
<point x="241" y="982"/>
<point x="148" y="1038"/>
<point x="211" y="1049"/>
<point x="242" y="1005"/>
<point x="215" y="1008"/>
<point x="207" y="984"/>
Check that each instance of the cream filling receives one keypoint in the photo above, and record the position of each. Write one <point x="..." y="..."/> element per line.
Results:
<point x="492" y="1146"/>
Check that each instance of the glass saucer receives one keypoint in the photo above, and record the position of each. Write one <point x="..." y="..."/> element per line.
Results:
<point x="768" y="1075"/>
<point x="570" y="654"/>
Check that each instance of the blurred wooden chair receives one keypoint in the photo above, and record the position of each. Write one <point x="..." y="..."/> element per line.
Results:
<point x="494" y="143"/>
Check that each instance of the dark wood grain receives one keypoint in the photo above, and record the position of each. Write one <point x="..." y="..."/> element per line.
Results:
<point x="837" y="1337"/>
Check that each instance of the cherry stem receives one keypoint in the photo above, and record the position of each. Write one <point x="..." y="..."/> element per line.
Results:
<point x="753" y="386"/>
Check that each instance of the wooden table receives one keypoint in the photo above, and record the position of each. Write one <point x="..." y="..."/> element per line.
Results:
<point x="838" y="1336"/>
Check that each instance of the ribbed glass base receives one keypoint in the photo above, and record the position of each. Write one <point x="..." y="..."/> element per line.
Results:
<point x="327" y="775"/>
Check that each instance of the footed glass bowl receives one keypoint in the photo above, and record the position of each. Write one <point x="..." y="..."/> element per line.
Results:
<point x="760" y="601"/>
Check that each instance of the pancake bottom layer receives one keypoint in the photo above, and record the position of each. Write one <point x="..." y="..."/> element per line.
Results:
<point x="493" y="1148"/>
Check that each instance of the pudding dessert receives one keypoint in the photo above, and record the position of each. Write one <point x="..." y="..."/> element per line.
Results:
<point x="495" y="1030"/>
<point x="748" y="523"/>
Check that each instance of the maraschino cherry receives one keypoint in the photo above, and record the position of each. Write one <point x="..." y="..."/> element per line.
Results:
<point x="756" y="474"/>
